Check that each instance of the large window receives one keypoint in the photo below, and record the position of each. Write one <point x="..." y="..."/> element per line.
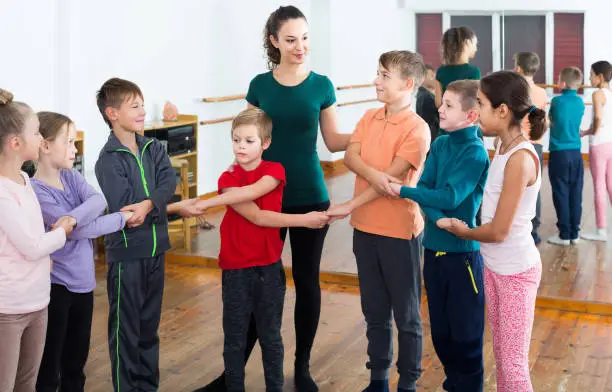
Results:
<point x="569" y="42"/>
<point x="558" y="38"/>
<point x="429" y="28"/>
<point x="525" y="33"/>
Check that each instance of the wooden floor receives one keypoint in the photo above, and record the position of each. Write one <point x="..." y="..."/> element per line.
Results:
<point x="581" y="273"/>
<point x="569" y="351"/>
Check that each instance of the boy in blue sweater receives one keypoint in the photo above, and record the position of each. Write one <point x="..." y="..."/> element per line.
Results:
<point x="452" y="185"/>
<point x="565" y="166"/>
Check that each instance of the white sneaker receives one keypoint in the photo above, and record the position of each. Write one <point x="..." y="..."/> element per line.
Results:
<point x="599" y="235"/>
<point x="575" y="241"/>
<point x="558" y="241"/>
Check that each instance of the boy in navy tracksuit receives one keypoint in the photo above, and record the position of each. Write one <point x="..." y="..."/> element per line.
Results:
<point x="565" y="166"/>
<point x="135" y="174"/>
<point x="452" y="185"/>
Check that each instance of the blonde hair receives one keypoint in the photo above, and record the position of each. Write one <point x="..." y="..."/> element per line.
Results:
<point x="572" y="76"/>
<point x="13" y="116"/>
<point x="409" y="64"/>
<point x="256" y="117"/>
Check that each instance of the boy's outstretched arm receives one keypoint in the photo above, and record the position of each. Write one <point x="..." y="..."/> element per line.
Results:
<point x="243" y="194"/>
<point x="428" y="181"/>
<point x="398" y="169"/>
<point x="520" y="170"/>
<point x="379" y="181"/>
<point x="154" y="207"/>
<point x="185" y="208"/>
<point x="264" y="218"/>
<point x="456" y="188"/>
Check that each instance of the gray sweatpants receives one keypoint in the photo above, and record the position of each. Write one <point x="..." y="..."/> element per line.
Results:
<point x="257" y="291"/>
<point x="389" y="272"/>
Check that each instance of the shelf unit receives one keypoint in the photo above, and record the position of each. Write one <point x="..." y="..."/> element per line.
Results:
<point x="186" y="165"/>
<point x="153" y="130"/>
<point x="79" y="161"/>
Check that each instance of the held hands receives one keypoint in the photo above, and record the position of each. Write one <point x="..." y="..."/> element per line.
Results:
<point x="586" y="132"/>
<point x="191" y="207"/>
<point x="381" y="182"/>
<point x="453" y="225"/>
<point x="338" y="211"/>
<point x="315" y="220"/>
<point x="127" y="215"/>
<point x="65" y="222"/>
<point x="396" y="189"/>
<point x="139" y="212"/>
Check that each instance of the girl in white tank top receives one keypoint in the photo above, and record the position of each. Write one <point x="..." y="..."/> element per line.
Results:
<point x="600" y="147"/>
<point x="512" y="262"/>
<point x="603" y="133"/>
<point x="517" y="253"/>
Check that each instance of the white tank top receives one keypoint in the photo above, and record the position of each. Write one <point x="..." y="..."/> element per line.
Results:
<point x="518" y="252"/>
<point x="604" y="134"/>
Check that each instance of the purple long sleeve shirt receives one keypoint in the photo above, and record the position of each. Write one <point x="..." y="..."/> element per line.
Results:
<point x="73" y="265"/>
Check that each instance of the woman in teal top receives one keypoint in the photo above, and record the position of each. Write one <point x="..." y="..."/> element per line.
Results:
<point x="459" y="46"/>
<point x="298" y="101"/>
<point x="295" y="112"/>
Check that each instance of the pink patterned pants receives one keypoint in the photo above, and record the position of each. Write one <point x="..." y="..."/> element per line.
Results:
<point x="510" y="303"/>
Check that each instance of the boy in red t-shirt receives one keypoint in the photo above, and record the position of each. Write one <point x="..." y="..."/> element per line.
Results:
<point x="253" y="280"/>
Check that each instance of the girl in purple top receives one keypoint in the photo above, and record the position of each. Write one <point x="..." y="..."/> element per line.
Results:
<point x="62" y="191"/>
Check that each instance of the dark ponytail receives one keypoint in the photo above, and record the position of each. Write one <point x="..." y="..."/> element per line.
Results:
<point x="273" y="25"/>
<point x="511" y="89"/>
<point x="453" y="43"/>
<point x="537" y="122"/>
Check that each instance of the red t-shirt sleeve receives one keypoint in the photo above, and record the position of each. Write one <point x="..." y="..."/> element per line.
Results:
<point x="228" y="180"/>
<point x="275" y="170"/>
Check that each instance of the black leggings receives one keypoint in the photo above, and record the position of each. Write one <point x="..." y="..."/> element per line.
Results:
<point x="67" y="342"/>
<point x="306" y="250"/>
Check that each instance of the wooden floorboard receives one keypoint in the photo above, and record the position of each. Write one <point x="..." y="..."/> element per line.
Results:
<point x="577" y="273"/>
<point x="569" y="351"/>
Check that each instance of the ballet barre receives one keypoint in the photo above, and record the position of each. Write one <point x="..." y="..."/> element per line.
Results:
<point x="228" y="119"/>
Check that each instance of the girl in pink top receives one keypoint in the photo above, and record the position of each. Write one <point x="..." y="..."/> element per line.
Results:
<point x="512" y="261"/>
<point x="24" y="251"/>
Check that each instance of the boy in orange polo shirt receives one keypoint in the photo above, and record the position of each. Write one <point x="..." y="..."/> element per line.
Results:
<point x="388" y="142"/>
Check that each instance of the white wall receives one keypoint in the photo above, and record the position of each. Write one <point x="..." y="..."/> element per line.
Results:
<point x="178" y="53"/>
<point x="358" y="36"/>
<point x="28" y="64"/>
<point x="57" y="57"/>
